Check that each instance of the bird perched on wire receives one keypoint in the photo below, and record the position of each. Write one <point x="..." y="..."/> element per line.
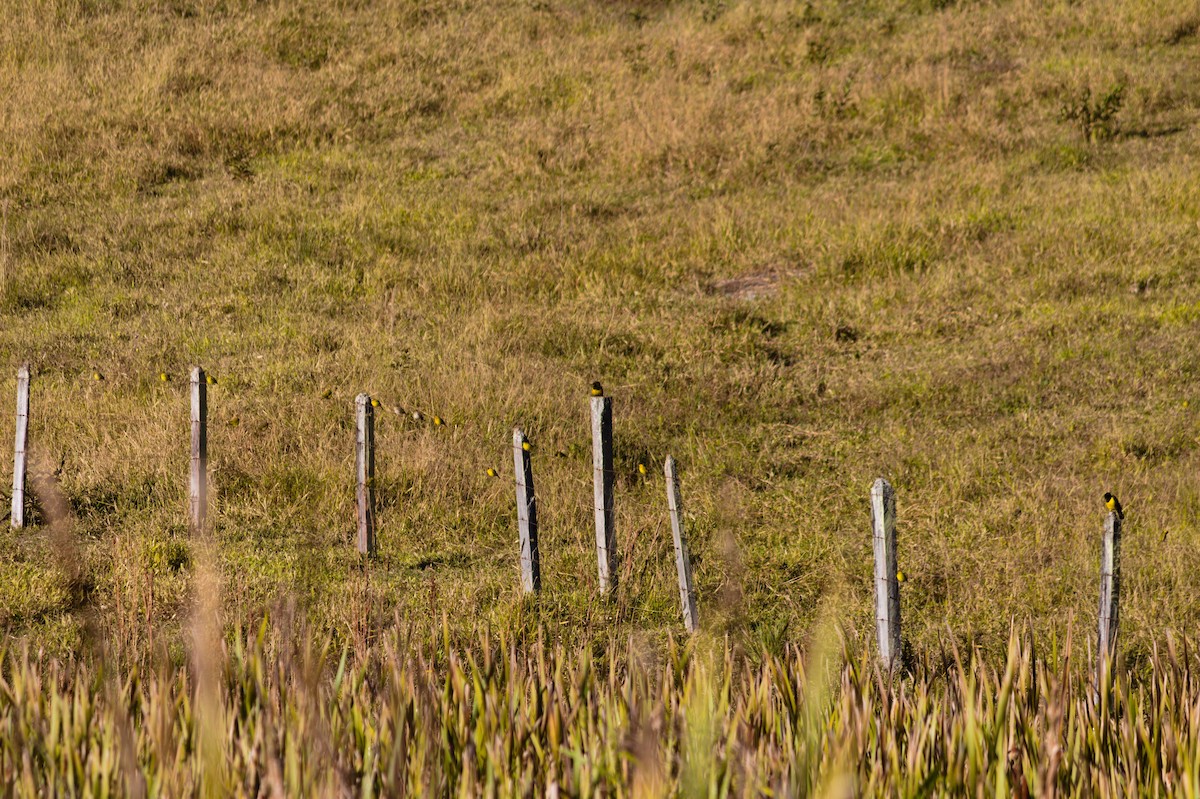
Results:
<point x="1113" y="504"/>
<point x="597" y="389"/>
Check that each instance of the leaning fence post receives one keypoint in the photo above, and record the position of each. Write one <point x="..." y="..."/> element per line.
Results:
<point x="198" y="484"/>
<point x="18" y="492"/>
<point x="531" y="569"/>
<point x="364" y="455"/>
<point x="683" y="557"/>
<point x="1110" y="587"/>
<point x="602" y="476"/>
<point x="887" y="586"/>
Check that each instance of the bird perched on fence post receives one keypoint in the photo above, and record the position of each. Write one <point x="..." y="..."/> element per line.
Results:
<point x="1113" y="504"/>
<point x="597" y="389"/>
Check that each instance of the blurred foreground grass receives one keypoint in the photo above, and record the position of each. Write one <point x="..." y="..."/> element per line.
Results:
<point x="286" y="715"/>
<point x="802" y="245"/>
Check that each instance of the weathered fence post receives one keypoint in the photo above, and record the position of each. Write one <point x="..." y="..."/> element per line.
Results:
<point x="18" y="492"/>
<point x="364" y="452"/>
<point x="887" y="586"/>
<point x="602" y="475"/>
<point x="1110" y="588"/>
<point x="683" y="557"/>
<point x="198" y="484"/>
<point x="531" y="569"/>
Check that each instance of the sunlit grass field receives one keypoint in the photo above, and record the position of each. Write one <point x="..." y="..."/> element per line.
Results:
<point x="803" y="245"/>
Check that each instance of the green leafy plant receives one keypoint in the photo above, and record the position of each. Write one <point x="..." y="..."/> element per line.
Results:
<point x="1095" y="117"/>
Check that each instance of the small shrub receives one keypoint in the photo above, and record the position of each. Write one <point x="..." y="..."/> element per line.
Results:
<point x="1096" y="119"/>
<point x="836" y="103"/>
<point x="712" y="10"/>
<point x="818" y="48"/>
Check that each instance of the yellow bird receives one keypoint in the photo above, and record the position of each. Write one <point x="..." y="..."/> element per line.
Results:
<point x="597" y="389"/>
<point x="525" y="445"/>
<point x="97" y="376"/>
<point x="492" y="472"/>
<point x="375" y="403"/>
<point x="212" y="381"/>
<point x="642" y="469"/>
<point x="437" y="421"/>
<point x="1113" y="504"/>
<point x="162" y="376"/>
<point x="900" y="577"/>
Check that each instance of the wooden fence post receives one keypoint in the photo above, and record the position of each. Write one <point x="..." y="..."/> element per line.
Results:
<point x="1110" y="588"/>
<point x="683" y="557"/>
<point x="198" y="484"/>
<point x="365" y="471"/>
<point x="603" y="476"/>
<point x="18" y="492"/>
<point x="887" y="586"/>
<point x="531" y="569"/>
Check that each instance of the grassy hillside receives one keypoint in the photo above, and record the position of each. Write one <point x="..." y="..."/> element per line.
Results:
<point x="802" y="245"/>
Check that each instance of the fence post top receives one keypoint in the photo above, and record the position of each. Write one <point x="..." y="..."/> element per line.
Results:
<point x="197" y="373"/>
<point x="881" y="488"/>
<point x="669" y="465"/>
<point x="518" y="437"/>
<point x="363" y="399"/>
